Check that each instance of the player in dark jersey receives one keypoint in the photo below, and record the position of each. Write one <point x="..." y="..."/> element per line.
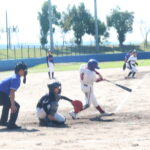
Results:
<point x="50" y="64"/>
<point x="47" y="107"/>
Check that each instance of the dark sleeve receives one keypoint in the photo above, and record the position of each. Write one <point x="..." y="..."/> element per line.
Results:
<point x="40" y="102"/>
<point x="130" y="64"/>
<point x="66" y="98"/>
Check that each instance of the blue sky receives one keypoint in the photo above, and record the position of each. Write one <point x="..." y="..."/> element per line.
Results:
<point x="23" y="13"/>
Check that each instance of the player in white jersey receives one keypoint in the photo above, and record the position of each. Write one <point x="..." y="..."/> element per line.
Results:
<point x="131" y="64"/>
<point x="88" y="75"/>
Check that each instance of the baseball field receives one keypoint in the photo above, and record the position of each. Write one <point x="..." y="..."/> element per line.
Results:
<point x="128" y="129"/>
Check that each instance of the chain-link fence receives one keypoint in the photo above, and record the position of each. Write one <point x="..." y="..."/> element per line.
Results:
<point x="35" y="51"/>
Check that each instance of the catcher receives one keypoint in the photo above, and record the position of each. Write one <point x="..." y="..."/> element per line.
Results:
<point x="47" y="107"/>
<point x="88" y="75"/>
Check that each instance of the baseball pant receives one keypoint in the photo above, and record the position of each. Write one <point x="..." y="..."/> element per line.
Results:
<point x="132" y="68"/>
<point x="41" y="114"/>
<point x="5" y="102"/>
<point x="89" y="94"/>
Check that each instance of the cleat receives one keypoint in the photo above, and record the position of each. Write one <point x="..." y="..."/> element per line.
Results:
<point x="3" y="123"/>
<point x="106" y="114"/>
<point x="13" y="126"/>
<point x="73" y="115"/>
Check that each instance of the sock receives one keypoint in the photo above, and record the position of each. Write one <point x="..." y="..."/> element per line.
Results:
<point x="52" y="75"/>
<point x="133" y="74"/>
<point x="100" y="109"/>
<point x="129" y="74"/>
<point x="49" y="75"/>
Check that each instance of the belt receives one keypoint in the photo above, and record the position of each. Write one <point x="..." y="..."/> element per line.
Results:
<point x="85" y="84"/>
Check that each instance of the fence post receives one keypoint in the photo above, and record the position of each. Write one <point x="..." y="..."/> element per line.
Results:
<point x="40" y="52"/>
<point x="34" y="52"/>
<point x="7" y="54"/>
<point x="14" y="52"/>
<point x="21" y="52"/>
<point x="28" y="51"/>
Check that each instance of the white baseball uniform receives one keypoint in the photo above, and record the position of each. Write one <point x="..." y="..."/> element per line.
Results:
<point x="132" y="60"/>
<point x="87" y="79"/>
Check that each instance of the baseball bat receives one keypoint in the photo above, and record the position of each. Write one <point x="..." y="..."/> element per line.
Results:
<point x="121" y="86"/>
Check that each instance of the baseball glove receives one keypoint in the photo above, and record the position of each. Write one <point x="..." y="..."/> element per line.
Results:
<point x="78" y="106"/>
<point x="124" y="66"/>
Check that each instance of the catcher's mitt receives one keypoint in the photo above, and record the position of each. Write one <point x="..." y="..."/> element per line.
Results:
<point x="78" y="106"/>
<point x="124" y="66"/>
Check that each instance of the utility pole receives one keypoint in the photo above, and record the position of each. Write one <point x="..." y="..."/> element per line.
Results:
<point x="50" y="25"/>
<point x="7" y="36"/>
<point x="96" y="24"/>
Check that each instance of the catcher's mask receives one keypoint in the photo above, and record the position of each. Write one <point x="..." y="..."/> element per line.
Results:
<point x="92" y="64"/>
<point x="54" y="85"/>
<point x="21" y="66"/>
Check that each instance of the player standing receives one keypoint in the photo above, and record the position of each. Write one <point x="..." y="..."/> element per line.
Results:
<point x="50" y="64"/>
<point x="88" y="75"/>
<point x="8" y="87"/>
<point x="131" y="64"/>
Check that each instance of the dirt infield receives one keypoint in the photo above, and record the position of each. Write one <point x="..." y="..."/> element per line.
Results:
<point x="129" y="129"/>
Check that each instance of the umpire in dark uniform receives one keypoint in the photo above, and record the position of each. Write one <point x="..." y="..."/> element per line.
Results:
<point x="8" y="87"/>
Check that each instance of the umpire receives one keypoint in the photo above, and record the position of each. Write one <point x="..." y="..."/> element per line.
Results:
<point x="8" y="87"/>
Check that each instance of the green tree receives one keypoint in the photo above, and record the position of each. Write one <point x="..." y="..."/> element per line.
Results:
<point x="122" y="21"/>
<point x="43" y="18"/>
<point x="102" y="30"/>
<point x="75" y="19"/>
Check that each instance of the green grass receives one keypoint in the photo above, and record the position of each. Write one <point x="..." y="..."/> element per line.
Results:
<point x="75" y="66"/>
<point x="22" y="53"/>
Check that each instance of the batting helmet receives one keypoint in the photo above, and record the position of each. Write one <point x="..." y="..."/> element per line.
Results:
<point x="93" y="64"/>
<point x="20" y="66"/>
<point x="134" y="51"/>
<point x="54" y="85"/>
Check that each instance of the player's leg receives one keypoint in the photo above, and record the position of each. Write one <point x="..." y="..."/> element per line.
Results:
<point x="5" y="102"/>
<point x="13" y="118"/>
<point x="41" y="114"/>
<point x="60" y="119"/>
<point x="95" y="102"/>
<point x="49" y="70"/>
<point x="86" y="90"/>
<point x="97" y="105"/>
<point x="134" y="70"/>
<point x="52" y="70"/>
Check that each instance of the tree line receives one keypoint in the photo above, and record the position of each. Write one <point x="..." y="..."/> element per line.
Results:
<point x="79" y="20"/>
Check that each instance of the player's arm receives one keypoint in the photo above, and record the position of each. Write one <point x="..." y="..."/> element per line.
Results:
<point x="136" y="63"/>
<point x="66" y="98"/>
<point x="12" y="101"/>
<point x="100" y="77"/>
<point x="47" y="61"/>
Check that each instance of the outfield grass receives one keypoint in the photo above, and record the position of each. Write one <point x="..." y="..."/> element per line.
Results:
<point x="75" y="66"/>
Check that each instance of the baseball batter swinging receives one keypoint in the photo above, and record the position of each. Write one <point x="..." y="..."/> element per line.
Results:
<point x="88" y="75"/>
<point x="47" y="107"/>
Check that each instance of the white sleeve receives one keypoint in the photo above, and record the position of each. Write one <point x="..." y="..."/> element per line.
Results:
<point x="82" y="68"/>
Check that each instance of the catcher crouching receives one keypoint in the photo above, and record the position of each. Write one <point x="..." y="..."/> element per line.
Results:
<point x="47" y="106"/>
